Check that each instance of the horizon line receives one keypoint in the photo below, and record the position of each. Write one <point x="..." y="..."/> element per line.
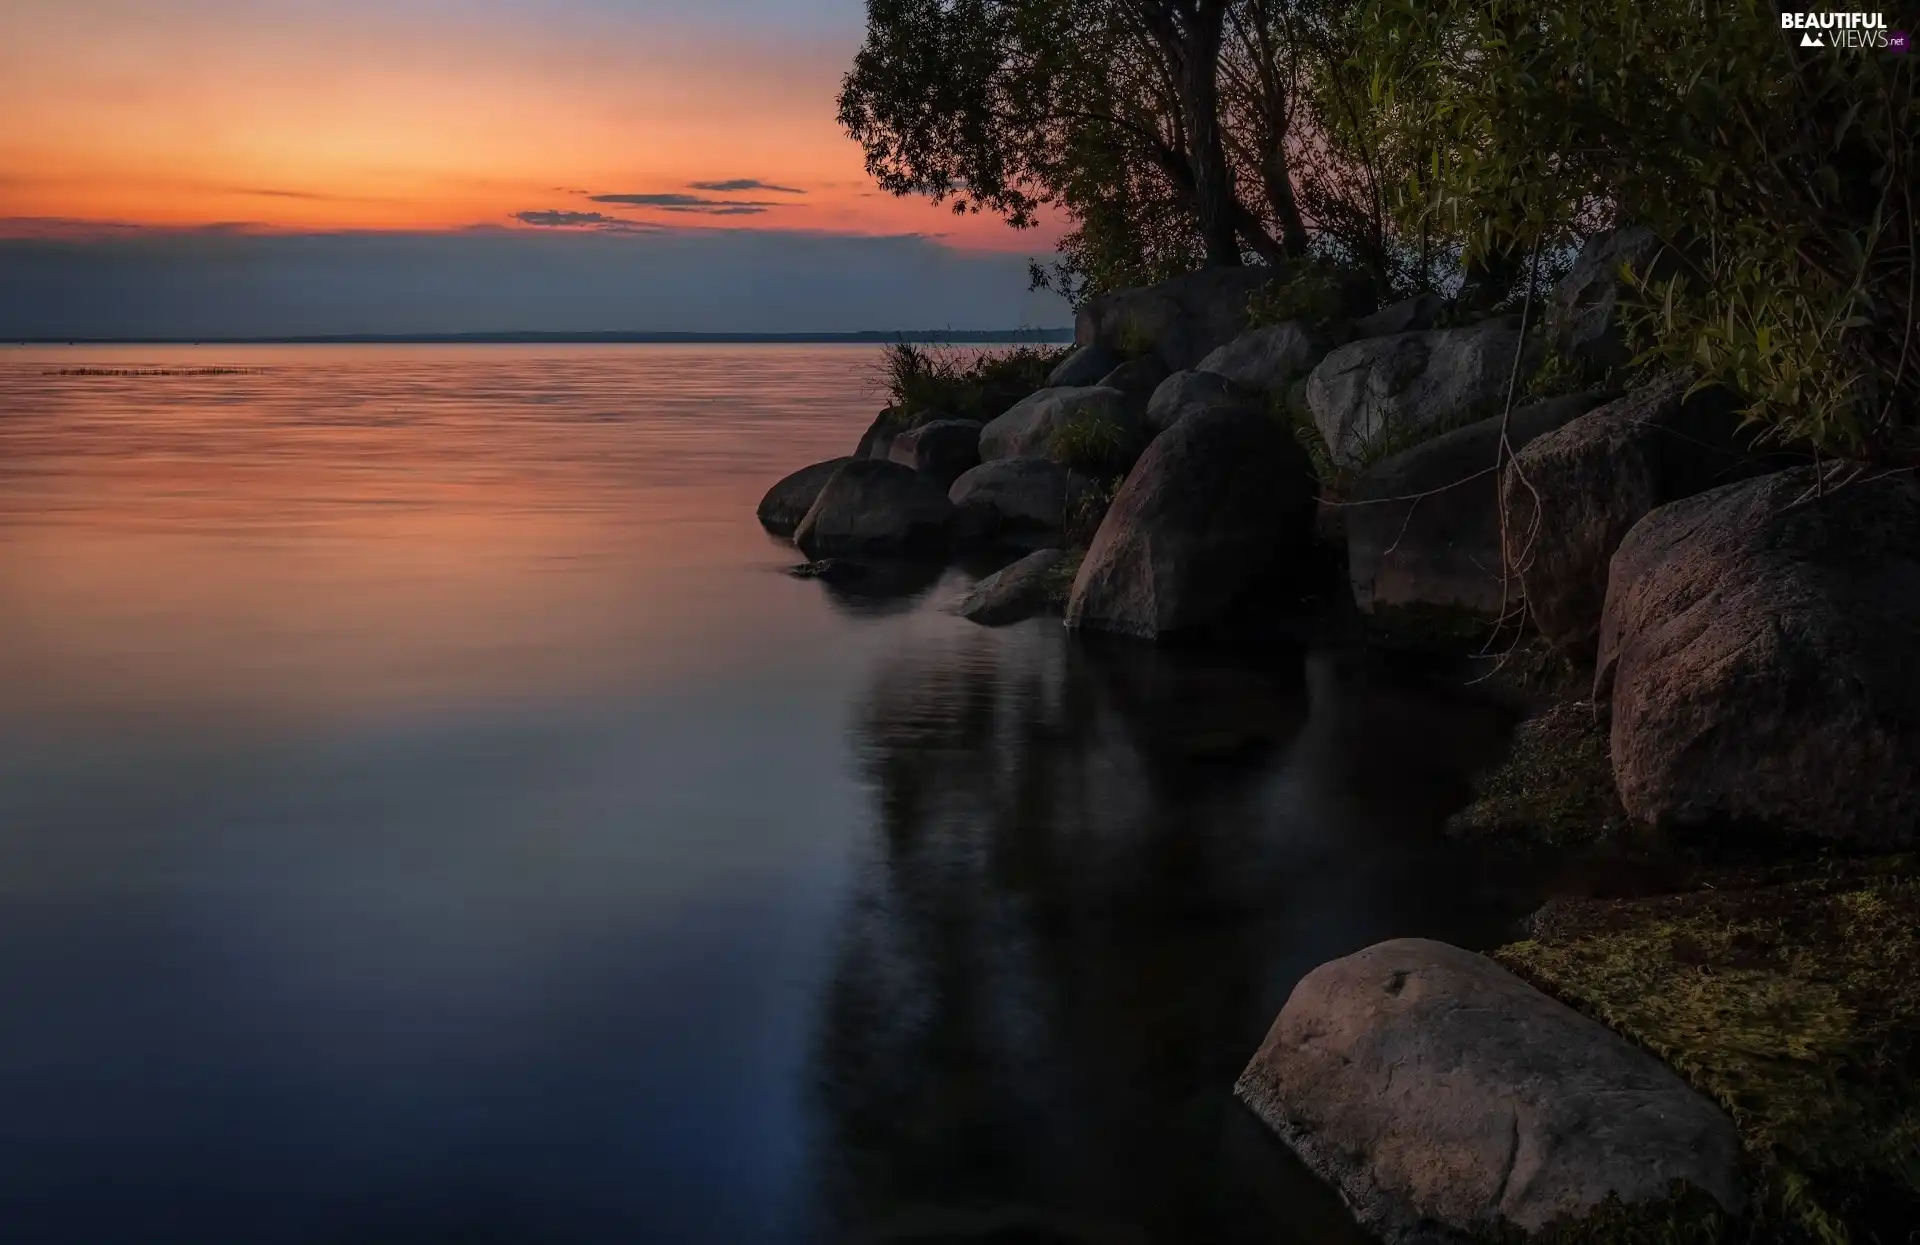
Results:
<point x="616" y="337"/>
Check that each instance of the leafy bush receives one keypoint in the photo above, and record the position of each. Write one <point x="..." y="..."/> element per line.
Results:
<point x="1781" y="179"/>
<point x="1089" y="508"/>
<point x="926" y="383"/>
<point x="1092" y="442"/>
<point x="1320" y="293"/>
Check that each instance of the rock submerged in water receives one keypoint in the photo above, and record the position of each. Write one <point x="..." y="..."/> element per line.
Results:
<point x="1423" y="527"/>
<point x="874" y="507"/>
<point x="830" y="570"/>
<point x="1026" y="429"/>
<point x="1572" y="494"/>
<point x="1760" y="655"/>
<point x="787" y="502"/>
<point x="939" y="450"/>
<point x="1372" y="392"/>
<point x="1018" y="591"/>
<point x="1017" y="498"/>
<point x="1433" y="1088"/>
<point x="1215" y="502"/>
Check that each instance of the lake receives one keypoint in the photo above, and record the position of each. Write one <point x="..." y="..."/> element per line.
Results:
<point x="429" y="813"/>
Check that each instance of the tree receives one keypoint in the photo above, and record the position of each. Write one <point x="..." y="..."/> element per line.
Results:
<point x="1110" y="110"/>
<point x="1781" y="180"/>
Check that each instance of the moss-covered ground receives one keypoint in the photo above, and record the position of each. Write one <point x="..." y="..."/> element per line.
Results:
<point x="1781" y="980"/>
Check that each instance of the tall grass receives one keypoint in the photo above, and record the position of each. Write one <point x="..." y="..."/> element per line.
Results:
<point x="925" y="383"/>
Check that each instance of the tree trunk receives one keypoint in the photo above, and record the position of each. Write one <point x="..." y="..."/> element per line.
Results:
<point x="1279" y="179"/>
<point x="1213" y="197"/>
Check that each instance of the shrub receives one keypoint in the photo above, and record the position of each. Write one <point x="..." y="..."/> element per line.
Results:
<point x="1781" y="179"/>
<point x="1092" y="442"/>
<point x="925" y="383"/>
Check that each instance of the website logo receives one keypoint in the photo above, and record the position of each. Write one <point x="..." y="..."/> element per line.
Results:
<point x="1844" y="30"/>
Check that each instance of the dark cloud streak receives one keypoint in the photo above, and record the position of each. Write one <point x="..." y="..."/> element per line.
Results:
<point x="739" y="184"/>
<point x="550" y="219"/>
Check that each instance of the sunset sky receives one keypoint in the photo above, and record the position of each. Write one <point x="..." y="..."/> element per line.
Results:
<point x="690" y="138"/>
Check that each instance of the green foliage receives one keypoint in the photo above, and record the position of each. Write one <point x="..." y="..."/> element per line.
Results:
<point x="1783" y="183"/>
<point x="1320" y="293"/>
<point x="1555" y="786"/>
<point x="925" y="383"/>
<point x="1092" y="442"/>
<point x="1089" y="508"/>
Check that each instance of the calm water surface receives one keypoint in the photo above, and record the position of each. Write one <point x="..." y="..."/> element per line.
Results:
<point x="429" y="814"/>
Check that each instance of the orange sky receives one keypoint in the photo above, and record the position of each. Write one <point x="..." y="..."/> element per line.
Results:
<point x="430" y="114"/>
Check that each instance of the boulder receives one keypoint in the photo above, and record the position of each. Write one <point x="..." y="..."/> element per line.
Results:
<point x="1382" y="391"/>
<point x="1212" y="506"/>
<point x="1181" y="320"/>
<point x="1137" y="378"/>
<point x="787" y="502"/>
<point x="1583" y="319"/>
<point x="874" y="507"/>
<point x="1184" y="392"/>
<point x="1266" y="359"/>
<point x="1011" y="496"/>
<point x="1084" y="366"/>
<point x="940" y="450"/>
<point x="1015" y="592"/>
<point x="1409" y="315"/>
<point x="1026" y="430"/>
<point x="1423" y="527"/>
<point x="1760" y="660"/>
<point x="877" y="440"/>
<point x="1573" y="493"/>
<point x="1434" y="1089"/>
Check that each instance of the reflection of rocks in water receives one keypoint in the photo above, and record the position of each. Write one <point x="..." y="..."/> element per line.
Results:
<point x="1063" y="950"/>
<point x="1379" y="751"/>
<point x="1100" y="870"/>
<point x="876" y="587"/>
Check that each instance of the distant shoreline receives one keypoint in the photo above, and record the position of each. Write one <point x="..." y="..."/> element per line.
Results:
<point x="965" y="337"/>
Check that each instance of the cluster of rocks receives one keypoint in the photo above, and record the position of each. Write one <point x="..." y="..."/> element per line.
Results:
<point x="1753" y="628"/>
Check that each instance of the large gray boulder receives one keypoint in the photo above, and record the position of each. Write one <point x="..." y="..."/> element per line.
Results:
<point x="1423" y="527"/>
<point x="1185" y="392"/>
<point x="1583" y="319"/>
<point x="1137" y="378"/>
<point x="940" y="450"/>
<point x="1084" y="366"/>
<point x="1572" y="494"/>
<point x="1215" y="503"/>
<point x="1760" y="658"/>
<point x="1266" y="359"/>
<point x="1434" y="1089"/>
<point x="1020" y="591"/>
<point x="1181" y="320"/>
<point x="1384" y="391"/>
<point x="1018" y="497"/>
<point x="873" y="507"/>
<point x="1409" y="315"/>
<point x="1026" y="430"/>
<point x="877" y="440"/>
<point x="787" y="502"/>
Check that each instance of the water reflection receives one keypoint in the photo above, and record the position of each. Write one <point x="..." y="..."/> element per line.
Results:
<point x="1097" y="871"/>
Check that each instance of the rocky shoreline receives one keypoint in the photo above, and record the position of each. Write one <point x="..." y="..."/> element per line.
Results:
<point x="1721" y="648"/>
